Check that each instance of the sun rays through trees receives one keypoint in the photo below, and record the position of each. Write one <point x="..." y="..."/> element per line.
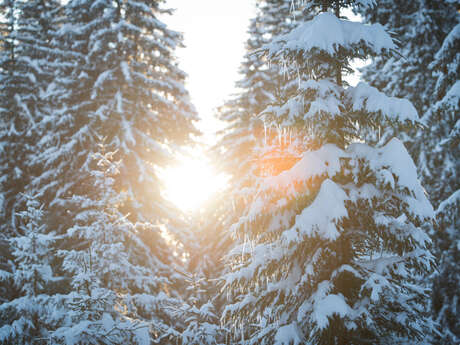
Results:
<point x="322" y="213"/>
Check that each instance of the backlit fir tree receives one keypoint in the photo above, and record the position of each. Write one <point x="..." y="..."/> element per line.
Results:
<point x="261" y="84"/>
<point x="118" y="291"/>
<point x="120" y="80"/>
<point x="333" y="250"/>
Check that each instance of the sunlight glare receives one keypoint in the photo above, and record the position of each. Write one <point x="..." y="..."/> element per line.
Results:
<point x="191" y="183"/>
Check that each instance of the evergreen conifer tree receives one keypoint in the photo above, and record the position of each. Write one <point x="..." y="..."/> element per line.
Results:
<point x="25" y="56"/>
<point x="439" y="165"/>
<point x="120" y="80"/>
<point x="118" y="290"/>
<point x="261" y="84"/>
<point x="28" y="318"/>
<point x="420" y="27"/>
<point x="333" y="248"/>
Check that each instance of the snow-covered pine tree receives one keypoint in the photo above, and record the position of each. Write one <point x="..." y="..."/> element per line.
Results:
<point x="24" y="58"/>
<point x="420" y="27"/>
<point x="142" y="92"/>
<point x="230" y="155"/>
<point x="440" y="165"/>
<point x="333" y="248"/>
<point x="202" y="324"/>
<point x="27" y="318"/>
<point x="260" y="85"/>
<point x="119" y="290"/>
<point x="118" y="79"/>
<point x="121" y="81"/>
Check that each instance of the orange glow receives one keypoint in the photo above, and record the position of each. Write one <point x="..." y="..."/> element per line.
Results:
<point x="280" y="153"/>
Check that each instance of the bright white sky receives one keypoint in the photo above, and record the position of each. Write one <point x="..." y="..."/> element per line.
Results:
<point x="214" y="35"/>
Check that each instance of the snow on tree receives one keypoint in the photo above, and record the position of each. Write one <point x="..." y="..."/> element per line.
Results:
<point x="118" y="288"/>
<point x="420" y="27"/>
<point x="202" y="324"/>
<point x="24" y="57"/>
<point x="333" y="249"/>
<point x="439" y="165"/>
<point x="28" y="318"/>
<point x="119" y="80"/>
<point x="261" y="84"/>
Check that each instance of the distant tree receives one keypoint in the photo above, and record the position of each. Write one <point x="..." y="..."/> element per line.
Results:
<point x="440" y="166"/>
<point x="25" y="55"/>
<point x="261" y="84"/>
<point x="420" y="27"/>
<point x="333" y="248"/>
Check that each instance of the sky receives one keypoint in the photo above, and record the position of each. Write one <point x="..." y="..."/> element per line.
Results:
<point x="215" y="35"/>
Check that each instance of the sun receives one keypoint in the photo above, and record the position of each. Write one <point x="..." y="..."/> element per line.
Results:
<point x="192" y="182"/>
